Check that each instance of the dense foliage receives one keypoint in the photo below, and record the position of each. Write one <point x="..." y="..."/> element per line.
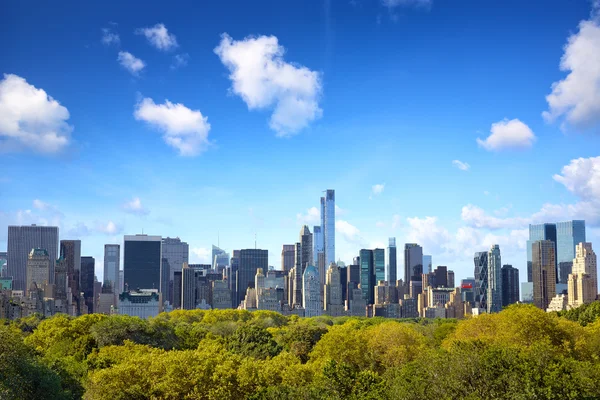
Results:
<point x="520" y="353"/>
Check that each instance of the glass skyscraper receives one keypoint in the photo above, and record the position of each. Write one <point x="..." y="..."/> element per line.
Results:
<point x="250" y="260"/>
<point x="378" y="266"/>
<point x="481" y="279"/>
<point x="142" y="261"/>
<point x="112" y="260"/>
<point x="539" y="232"/>
<point x="568" y="235"/>
<point x="367" y="285"/>
<point x="328" y="224"/>
<point x="494" y="294"/>
<point x="413" y="263"/>
<point x="391" y="265"/>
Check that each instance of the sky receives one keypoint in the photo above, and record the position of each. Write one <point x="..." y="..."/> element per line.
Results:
<point x="452" y="124"/>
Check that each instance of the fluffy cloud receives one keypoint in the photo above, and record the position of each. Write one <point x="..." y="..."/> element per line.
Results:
<point x="463" y="166"/>
<point x="582" y="178"/>
<point x="184" y="129"/>
<point x="506" y="134"/>
<point x="30" y="118"/>
<point x="378" y="189"/>
<point x="109" y="228"/>
<point x="180" y="60"/>
<point x="110" y="37"/>
<point x="427" y="233"/>
<point x="312" y="217"/>
<point x="159" y="37"/>
<point x="576" y="98"/>
<point x="134" y="206"/>
<point x="476" y="217"/>
<point x="348" y="231"/>
<point x="130" y="62"/>
<point x="200" y="255"/>
<point x="262" y="78"/>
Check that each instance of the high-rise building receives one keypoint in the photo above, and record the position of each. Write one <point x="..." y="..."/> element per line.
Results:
<point x="440" y="276"/>
<point x="250" y="260"/>
<point x="188" y="287"/>
<point x="296" y="279"/>
<point x="175" y="253"/>
<point x="306" y="242"/>
<point x="288" y="257"/>
<point x="367" y="276"/>
<point x="427" y="264"/>
<point x="481" y="279"/>
<point x="510" y="285"/>
<point x="88" y="266"/>
<point x="121" y="281"/>
<point x="391" y="264"/>
<point x="583" y="280"/>
<point x="112" y="265"/>
<point x="220" y="258"/>
<point x="450" y="279"/>
<point x="38" y="269"/>
<point x="70" y="252"/>
<point x="378" y="267"/>
<point x="3" y="259"/>
<point x="413" y="263"/>
<point x="494" y="294"/>
<point x="142" y="262"/>
<point x="328" y="224"/>
<point x="311" y="293"/>
<point x="221" y="295"/>
<point x="21" y="239"/>
<point x="334" y="300"/>
<point x="318" y="248"/>
<point x="540" y="232"/>
<point x="568" y="235"/>
<point x="61" y="284"/>
<point x="544" y="272"/>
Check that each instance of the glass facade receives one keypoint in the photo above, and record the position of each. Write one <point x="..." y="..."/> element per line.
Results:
<point x="142" y="262"/>
<point x="88" y="265"/>
<point x="481" y="279"/>
<point x="379" y="266"/>
<point x="510" y="285"/>
<point x="568" y="235"/>
<point x="250" y="260"/>
<point x="413" y="262"/>
<point x="494" y="297"/>
<point x="391" y="265"/>
<point x="539" y="232"/>
<point x="366" y="276"/>
<point x="329" y="226"/>
<point x="427" y="264"/>
<point x="112" y="256"/>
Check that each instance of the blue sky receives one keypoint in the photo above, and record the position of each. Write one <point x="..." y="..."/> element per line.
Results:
<point x="272" y="102"/>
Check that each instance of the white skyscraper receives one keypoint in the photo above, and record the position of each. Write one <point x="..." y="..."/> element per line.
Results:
<point x="494" y="290"/>
<point x="583" y="280"/>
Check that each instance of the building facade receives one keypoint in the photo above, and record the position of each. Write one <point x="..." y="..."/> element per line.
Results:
<point x="38" y="269"/>
<point x="311" y="294"/>
<point x="413" y="263"/>
<point x="288" y="257"/>
<point x="367" y="281"/>
<point x="539" y="232"/>
<point x="494" y="293"/>
<point x="333" y="300"/>
<point x="249" y="262"/>
<point x="143" y="304"/>
<point x="112" y="266"/>
<point x="583" y="280"/>
<point x="568" y="235"/>
<point x="142" y="262"/>
<point x="481" y="279"/>
<point x="427" y="264"/>
<point x="88" y="266"/>
<point x="391" y="262"/>
<point x="544" y="272"/>
<point x="510" y="285"/>
<point x="174" y="253"/>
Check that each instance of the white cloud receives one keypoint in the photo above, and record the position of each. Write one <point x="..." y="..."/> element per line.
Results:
<point x="30" y="118"/>
<point x="40" y="205"/>
<point x="476" y="217"/>
<point x="348" y="231"/>
<point x="184" y="129"/>
<point x="262" y="78"/>
<point x="200" y="255"/>
<point x="582" y="178"/>
<point x="506" y="134"/>
<point x="109" y="228"/>
<point x="159" y="37"/>
<point x="130" y="62"/>
<point x="134" y="206"/>
<point x="312" y="217"/>
<point x="427" y="233"/>
<point x="463" y="166"/>
<point x="378" y="189"/>
<point x="110" y="37"/>
<point x="380" y="224"/>
<point x="180" y="60"/>
<point x="396" y="221"/>
<point x="576" y="98"/>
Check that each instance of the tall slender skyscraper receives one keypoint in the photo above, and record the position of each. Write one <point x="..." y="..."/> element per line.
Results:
<point x="540" y="232"/>
<point x="494" y="295"/>
<point x="544" y="272"/>
<point x="88" y="267"/>
<point x="21" y="239"/>
<point x="306" y="241"/>
<point x="188" y="287"/>
<point x="413" y="263"/>
<point x="296" y="289"/>
<point x="568" y="235"/>
<point x="176" y="253"/>
<point x="112" y="262"/>
<point x="391" y="265"/>
<point x="510" y="285"/>
<point x="328" y="223"/>
<point x="378" y="267"/>
<point x="583" y="280"/>
<point x="481" y="279"/>
<point x="250" y="261"/>
<point x="367" y="276"/>
<point x="142" y="261"/>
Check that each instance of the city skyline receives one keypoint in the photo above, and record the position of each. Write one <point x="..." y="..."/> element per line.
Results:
<point x="437" y="173"/>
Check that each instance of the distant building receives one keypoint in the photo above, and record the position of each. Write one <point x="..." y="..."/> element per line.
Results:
<point x="328" y="225"/>
<point x="143" y="304"/>
<point x="385" y="293"/>
<point x="306" y="242"/>
<point x="540" y="232"/>
<point x="112" y="265"/>
<point x="220" y="258"/>
<point x="544" y="270"/>
<point x="378" y="267"/>
<point x="142" y="262"/>
<point x="494" y="294"/>
<point x="391" y="264"/>
<point x="295" y="279"/>
<point x="88" y="266"/>
<point x="319" y="247"/>
<point x="221" y="295"/>
<point x="333" y="301"/>
<point x="427" y="264"/>
<point x="175" y="253"/>
<point x="450" y="278"/>
<point x="356" y="304"/>
<point x="413" y="263"/>
<point x="188" y="288"/>
<point x="38" y="269"/>
<point x="21" y="240"/>
<point x="527" y="292"/>
<point x="558" y="303"/>
<point x="3" y="259"/>
<point x="481" y="279"/>
<point x="250" y="260"/>
<point x="367" y="276"/>
<point x="568" y="235"/>
<point x="440" y="276"/>
<point x="288" y="257"/>
<point x="583" y="280"/>
<point x="510" y="285"/>
<point x="311" y="294"/>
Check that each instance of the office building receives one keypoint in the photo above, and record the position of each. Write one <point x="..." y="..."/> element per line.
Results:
<point x="467" y="290"/>
<point x="539" y="232"/>
<point x="70" y="252"/>
<point x="306" y="243"/>
<point x="311" y="293"/>
<point x="288" y="257"/>
<point x="385" y="293"/>
<point x="568" y="235"/>
<point x="427" y="264"/>
<point x="143" y="303"/>
<point x="413" y="263"/>
<point x="38" y="269"/>
<point x="440" y="276"/>
<point x="188" y="287"/>
<point x="543" y="272"/>
<point x="527" y="292"/>
<point x="378" y="266"/>
<point x="220" y="258"/>
<point x="450" y="279"/>
<point x="333" y="300"/>
<point x="249" y="262"/>
<point x="3" y="259"/>
<point x="494" y="293"/>
<point x="174" y="253"/>
<point x="142" y="262"/>
<point x="318" y="248"/>
<point x="221" y="295"/>
<point x="88" y="265"/>
<point x="367" y="276"/>
<point x="583" y="280"/>
<point x="112" y="266"/>
<point x="510" y="285"/>
<point x="356" y="305"/>
<point x="121" y="281"/>
<point x="481" y="279"/>
<point x="391" y="264"/>
<point x="21" y="240"/>
<point x="328" y="225"/>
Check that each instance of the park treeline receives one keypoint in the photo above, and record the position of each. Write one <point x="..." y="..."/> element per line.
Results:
<point x="519" y="353"/>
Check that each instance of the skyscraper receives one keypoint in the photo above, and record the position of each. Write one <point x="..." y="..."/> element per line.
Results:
<point x="288" y="257"/>
<point x="176" y="253"/>
<point x="318" y="247"/>
<point x="494" y="294"/>
<point x="250" y="261"/>
<point x="583" y="280"/>
<point x="427" y="264"/>
<point x="88" y="265"/>
<point x="367" y="276"/>
<point x="440" y="276"/>
<point x="112" y="262"/>
<point x="142" y="261"/>
<point x="378" y="267"/>
<point x="544" y="272"/>
<point x="333" y="300"/>
<point x="38" y="269"/>
<point x="328" y="224"/>
<point x="510" y="285"/>
<point x="3" y="258"/>
<point x="450" y="278"/>
<point x="391" y="265"/>
<point x="188" y="287"/>
<point x="481" y="279"/>
<point x="296" y="278"/>
<point x="306" y="242"/>
<point x="540" y="232"/>
<point x="70" y="252"/>
<point x="568" y="235"/>
<point x="311" y="297"/>
<point x="413" y="263"/>
<point x="21" y="239"/>
<point x="220" y="258"/>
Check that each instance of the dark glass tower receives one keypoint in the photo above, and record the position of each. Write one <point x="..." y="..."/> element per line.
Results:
<point x="367" y="276"/>
<point x="142" y="262"/>
<point x="510" y="285"/>
<point x="481" y="279"/>
<point x="88" y="265"/>
<point x="250" y="260"/>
